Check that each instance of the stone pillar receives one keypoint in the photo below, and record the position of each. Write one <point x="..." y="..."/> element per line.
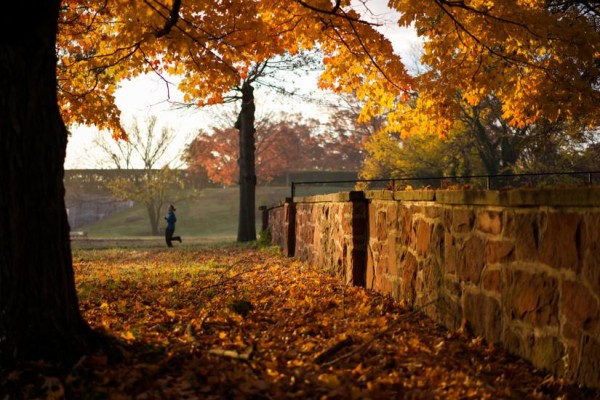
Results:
<point x="289" y="227"/>
<point x="265" y="218"/>
<point x="360" y="238"/>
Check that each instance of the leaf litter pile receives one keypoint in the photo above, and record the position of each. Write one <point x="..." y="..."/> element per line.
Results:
<point x="244" y="323"/>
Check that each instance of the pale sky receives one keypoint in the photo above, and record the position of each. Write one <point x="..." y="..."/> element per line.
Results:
<point x="146" y="95"/>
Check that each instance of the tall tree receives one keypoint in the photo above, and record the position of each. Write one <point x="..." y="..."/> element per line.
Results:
<point x="39" y="314"/>
<point x="221" y="46"/>
<point x="149" y="181"/>
<point x="284" y="143"/>
<point x="245" y="124"/>
<point x="481" y="141"/>
<point x="539" y="58"/>
<point x="210" y="43"/>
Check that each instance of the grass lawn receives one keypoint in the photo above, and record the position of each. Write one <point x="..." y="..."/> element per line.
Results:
<point x="213" y="213"/>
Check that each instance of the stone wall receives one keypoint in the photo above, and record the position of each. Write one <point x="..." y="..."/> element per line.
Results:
<point x="519" y="267"/>
<point x="340" y="242"/>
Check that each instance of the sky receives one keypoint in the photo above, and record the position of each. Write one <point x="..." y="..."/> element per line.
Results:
<point x="146" y="95"/>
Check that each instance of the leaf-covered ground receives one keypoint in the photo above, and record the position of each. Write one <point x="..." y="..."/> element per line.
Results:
<point x="243" y="323"/>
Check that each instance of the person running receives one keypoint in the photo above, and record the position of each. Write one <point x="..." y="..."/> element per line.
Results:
<point x="171" y="219"/>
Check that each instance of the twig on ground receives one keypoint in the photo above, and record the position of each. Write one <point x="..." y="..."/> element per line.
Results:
<point x="333" y="349"/>
<point x="233" y="354"/>
<point x="378" y="335"/>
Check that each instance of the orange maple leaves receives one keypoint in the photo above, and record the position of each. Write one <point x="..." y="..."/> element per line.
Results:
<point x="302" y="333"/>
<point x="538" y="59"/>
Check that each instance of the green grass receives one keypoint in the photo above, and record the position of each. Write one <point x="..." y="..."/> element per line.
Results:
<point x="213" y="213"/>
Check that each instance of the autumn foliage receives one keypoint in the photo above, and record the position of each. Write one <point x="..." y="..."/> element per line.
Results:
<point x="243" y="323"/>
<point x="212" y="46"/>
<point x="540" y="58"/>
<point x="283" y="144"/>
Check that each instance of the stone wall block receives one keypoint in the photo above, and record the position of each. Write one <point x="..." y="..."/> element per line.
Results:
<point x="517" y="340"/>
<point x="544" y="351"/>
<point x="500" y="251"/>
<point x="489" y="222"/>
<point x="547" y="353"/>
<point x="437" y="243"/>
<point x="492" y="280"/>
<point x="509" y="224"/>
<point x="589" y="368"/>
<point x="580" y="309"/>
<point x="405" y="226"/>
<point x="530" y="297"/>
<point x="373" y="212"/>
<point x="422" y="237"/>
<point x="462" y="220"/>
<point x="447" y="311"/>
<point x="526" y="233"/>
<point x="409" y="274"/>
<point x="483" y="315"/>
<point x="452" y="288"/>
<point x="381" y="229"/>
<point x="276" y="226"/>
<point x="431" y="284"/>
<point x="472" y="260"/>
<point x="590" y="251"/>
<point x="560" y="240"/>
<point x="447" y="217"/>
<point x="434" y="212"/>
<point x="451" y="253"/>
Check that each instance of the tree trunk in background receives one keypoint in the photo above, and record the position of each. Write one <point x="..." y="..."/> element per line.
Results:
<point x="245" y="124"/>
<point x="39" y="314"/>
<point x="153" y="216"/>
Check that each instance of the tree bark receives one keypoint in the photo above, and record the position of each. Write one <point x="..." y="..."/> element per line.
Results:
<point x="153" y="215"/>
<point x="245" y="124"/>
<point x="39" y="313"/>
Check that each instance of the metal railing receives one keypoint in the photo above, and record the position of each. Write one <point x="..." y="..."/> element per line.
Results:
<point x="489" y="181"/>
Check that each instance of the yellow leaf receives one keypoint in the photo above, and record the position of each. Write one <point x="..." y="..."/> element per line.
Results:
<point x="127" y="336"/>
<point x="329" y="380"/>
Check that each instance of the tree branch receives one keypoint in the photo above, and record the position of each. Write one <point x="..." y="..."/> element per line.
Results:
<point x="171" y="21"/>
<point x="334" y="11"/>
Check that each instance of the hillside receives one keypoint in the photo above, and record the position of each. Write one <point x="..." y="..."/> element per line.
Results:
<point x="211" y="213"/>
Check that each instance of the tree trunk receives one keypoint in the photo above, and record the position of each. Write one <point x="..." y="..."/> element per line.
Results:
<point x="39" y="313"/>
<point x="245" y="124"/>
<point x="153" y="215"/>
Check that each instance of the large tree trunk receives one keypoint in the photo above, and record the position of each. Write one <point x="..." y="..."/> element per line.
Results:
<point x="245" y="124"/>
<point x="39" y="314"/>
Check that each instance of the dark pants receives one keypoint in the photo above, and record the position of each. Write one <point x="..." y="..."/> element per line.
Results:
<point x="169" y="236"/>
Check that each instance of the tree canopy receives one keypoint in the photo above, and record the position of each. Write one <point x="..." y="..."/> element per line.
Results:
<point x="540" y="58"/>
<point x="284" y="143"/>
<point x="213" y="45"/>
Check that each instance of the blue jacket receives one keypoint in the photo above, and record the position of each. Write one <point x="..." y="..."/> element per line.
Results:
<point x="171" y="219"/>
